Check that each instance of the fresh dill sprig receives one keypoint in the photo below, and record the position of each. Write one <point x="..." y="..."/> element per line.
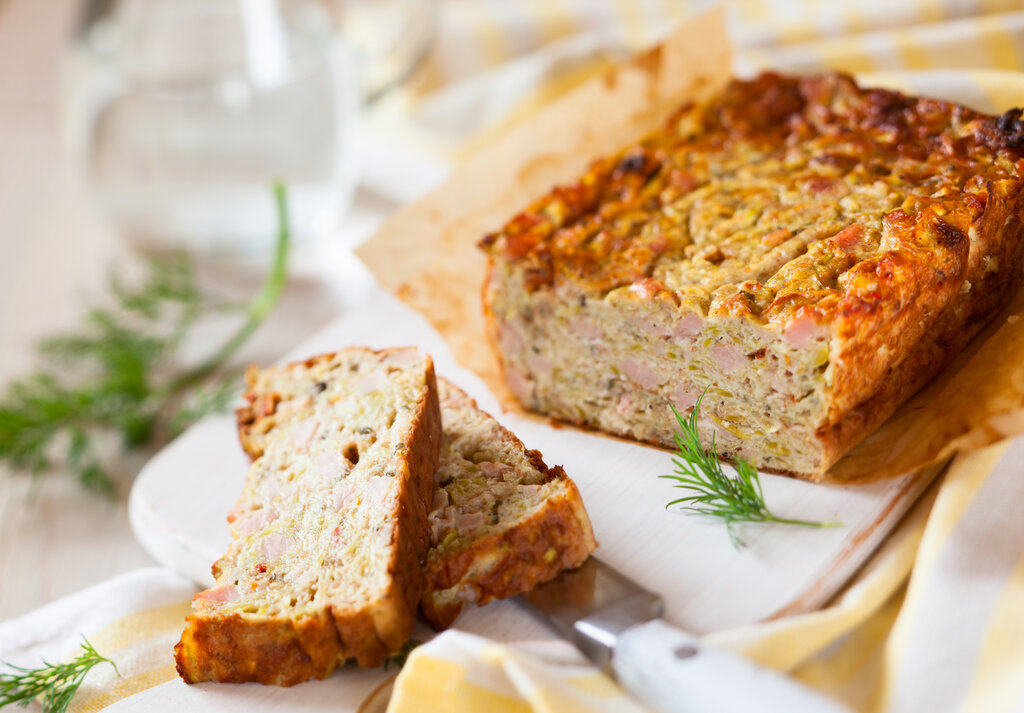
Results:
<point x="712" y="492"/>
<point x="56" y="684"/>
<point x="115" y="375"/>
<point x="402" y="654"/>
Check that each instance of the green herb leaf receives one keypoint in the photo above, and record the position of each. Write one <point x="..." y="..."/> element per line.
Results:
<point x="713" y="493"/>
<point x="55" y="684"/>
<point x="115" y="375"/>
<point x="399" y="658"/>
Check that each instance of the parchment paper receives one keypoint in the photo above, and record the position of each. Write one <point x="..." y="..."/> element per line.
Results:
<point x="427" y="253"/>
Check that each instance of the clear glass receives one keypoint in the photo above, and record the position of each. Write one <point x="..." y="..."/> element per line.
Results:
<point x="388" y="38"/>
<point x="193" y="108"/>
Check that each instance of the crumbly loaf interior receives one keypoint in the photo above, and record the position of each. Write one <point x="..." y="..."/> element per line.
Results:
<point x="316" y="517"/>
<point x="485" y="481"/>
<point x="770" y="246"/>
<point x="618" y="364"/>
<point x="317" y="529"/>
<point x="501" y="521"/>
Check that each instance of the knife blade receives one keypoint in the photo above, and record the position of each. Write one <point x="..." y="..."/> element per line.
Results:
<point x="617" y="624"/>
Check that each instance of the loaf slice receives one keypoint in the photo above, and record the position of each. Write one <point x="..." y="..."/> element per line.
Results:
<point x="808" y="251"/>
<point x="501" y="521"/>
<point x="331" y="528"/>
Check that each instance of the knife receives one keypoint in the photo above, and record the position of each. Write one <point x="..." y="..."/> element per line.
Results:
<point x="617" y="624"/>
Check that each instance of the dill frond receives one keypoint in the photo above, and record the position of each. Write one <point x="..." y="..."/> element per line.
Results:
<point x="116" y="375"/>
<point x="54" y="684"/>
<point x="713" y="493"/>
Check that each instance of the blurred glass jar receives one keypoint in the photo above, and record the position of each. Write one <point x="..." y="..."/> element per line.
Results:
<point x="388" y="38"/>
<point x="184" y="112"/>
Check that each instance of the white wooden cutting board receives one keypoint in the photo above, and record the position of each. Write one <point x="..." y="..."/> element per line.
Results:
<point x="179" y="502"/>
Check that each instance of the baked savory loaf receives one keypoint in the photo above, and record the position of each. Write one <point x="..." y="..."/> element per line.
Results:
<point x="810" y="251"/>
<point x="501" y="521"/>
<point x="331" y="528"/>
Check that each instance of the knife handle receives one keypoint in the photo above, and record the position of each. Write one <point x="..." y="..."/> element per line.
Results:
<point x="673" y="672"/>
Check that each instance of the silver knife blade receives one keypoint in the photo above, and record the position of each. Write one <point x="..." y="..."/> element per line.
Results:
<point x="592" y="606"/>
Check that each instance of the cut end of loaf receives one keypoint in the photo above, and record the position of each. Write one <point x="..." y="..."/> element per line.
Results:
<point x="621" y="363"/>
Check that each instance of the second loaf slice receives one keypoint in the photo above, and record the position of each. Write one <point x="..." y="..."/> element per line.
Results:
<point x="501" y="521"/>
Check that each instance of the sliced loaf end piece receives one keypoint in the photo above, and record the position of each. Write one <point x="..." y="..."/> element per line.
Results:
<point x="501" y="521"/>
<point x="331" y="528"/>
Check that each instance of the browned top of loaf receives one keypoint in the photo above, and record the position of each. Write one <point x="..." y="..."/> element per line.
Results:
<point x="782" y="198"/>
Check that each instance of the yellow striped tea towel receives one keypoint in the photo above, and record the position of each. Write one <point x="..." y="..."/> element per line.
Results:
<point x="133" y="619"/>
<point x="461" y="673"/>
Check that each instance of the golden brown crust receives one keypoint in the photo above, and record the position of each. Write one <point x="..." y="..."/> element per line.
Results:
<point x="587" y="233"/>
<point x="283" y="649"/>
<point x="999" y="237"/>
<point x="555" y="538"/>
<point x="891" y="302"/>
<point x="255" y="415"/>
<point x="239" y="648"/>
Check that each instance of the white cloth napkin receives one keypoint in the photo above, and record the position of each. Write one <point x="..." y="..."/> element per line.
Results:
<point x="133" y="619"/>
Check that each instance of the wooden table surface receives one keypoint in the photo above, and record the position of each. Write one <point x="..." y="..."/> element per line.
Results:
<point x="56" y="538"/>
